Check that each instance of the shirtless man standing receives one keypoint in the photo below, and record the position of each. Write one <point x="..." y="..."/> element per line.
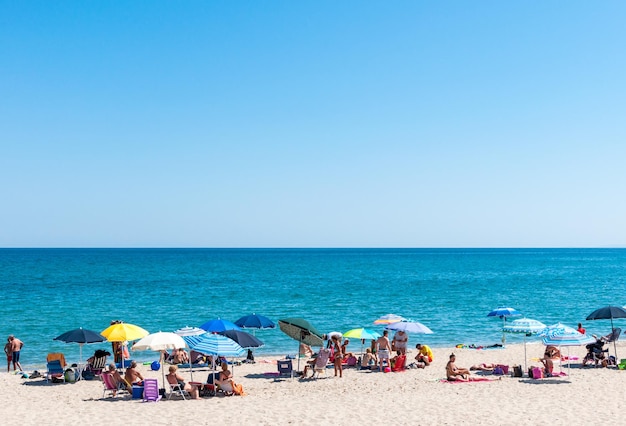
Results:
<point x="384" y="348"/>
<point x="16" y="347"/>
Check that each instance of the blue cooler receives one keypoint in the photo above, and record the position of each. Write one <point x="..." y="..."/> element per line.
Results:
<point x="137" y="392"/>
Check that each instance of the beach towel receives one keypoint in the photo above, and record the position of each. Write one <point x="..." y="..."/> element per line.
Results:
<point x="474" y="379"/>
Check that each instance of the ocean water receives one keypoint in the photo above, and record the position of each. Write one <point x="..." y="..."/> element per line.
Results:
<point x="50" y="291"/>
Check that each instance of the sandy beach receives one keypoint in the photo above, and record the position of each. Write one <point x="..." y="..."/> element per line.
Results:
<point x="414" y="397"/>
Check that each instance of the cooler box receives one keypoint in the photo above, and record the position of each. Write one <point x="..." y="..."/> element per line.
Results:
<point x="137" y="392"/>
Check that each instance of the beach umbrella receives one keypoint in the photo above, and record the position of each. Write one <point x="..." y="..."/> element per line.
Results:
<point x="503" y="312"/>
<point x="219" y="326"/>
<point x="609" y="312"/>
<point x="245" y="340"/>
<point x="563" y="335"/>
<point x="302" y="331"/>
<point x="409" y="327"/>
<point x="159" y="342"/>
<point x="190" y="331"/>
<point x="527" y="327"/>
<point x="214" y="344"/>
<point x="123" y="333"/>
<point x="361" y="333"/>
<point x="81" y="336"/>
<point x="389" y="319"/>
<point x="255" y="321"/>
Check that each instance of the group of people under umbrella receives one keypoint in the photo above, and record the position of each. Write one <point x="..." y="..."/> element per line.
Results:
<point x="559" y="335"/>
<point x="222" y="338"/>
<point x="218" y="338"/>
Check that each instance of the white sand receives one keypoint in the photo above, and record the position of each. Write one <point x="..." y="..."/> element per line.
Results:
<point x="415" y="397"/>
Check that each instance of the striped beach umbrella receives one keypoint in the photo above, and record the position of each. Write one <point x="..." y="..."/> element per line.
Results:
<point x="389" y="319"/>
<point x="527" y="327"/>
<point x="214" y="344"/>
<point x="562" y="335"/>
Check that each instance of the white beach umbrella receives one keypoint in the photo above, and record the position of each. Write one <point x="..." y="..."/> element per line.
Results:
<point x="527" y="327"/>
<point x="159" y="342"/>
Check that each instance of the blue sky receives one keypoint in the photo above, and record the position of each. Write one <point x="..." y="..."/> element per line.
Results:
<point x="312" y="124"/>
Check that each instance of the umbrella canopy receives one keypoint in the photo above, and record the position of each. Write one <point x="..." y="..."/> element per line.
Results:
<point x="255" y="321"/>
<point x="526" y="327"/>
<point x="245" y="340"/>
<point x="301" y="330"/>
<point x="389" y="319"/>
<point x="361" y="333"/>
<point x="159" y="342"/>
<point x="80" y="335"/>
<point x="123" y="332"/>
<point x="219" y="326"/>
<point x="503" y="312"/>
<point x="214" y="344"/>
<point x="409" y="327"/>
<point x="608" y="312"/>
<point x="190" y="331"/>
<point x="563" y="335"/>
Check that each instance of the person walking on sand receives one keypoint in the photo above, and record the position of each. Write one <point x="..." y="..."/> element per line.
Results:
<point x="383" y="349"/>
<point x="8" y="350"/>
<point x="16" y="347"/>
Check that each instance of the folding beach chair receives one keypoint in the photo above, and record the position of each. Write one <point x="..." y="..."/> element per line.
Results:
<point x="285" y="367"/>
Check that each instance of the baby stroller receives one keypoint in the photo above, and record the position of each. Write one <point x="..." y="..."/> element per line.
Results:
<point x="595" y="352"/>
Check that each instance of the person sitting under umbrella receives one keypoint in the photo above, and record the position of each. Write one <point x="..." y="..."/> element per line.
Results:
<point x="173" y="378"/>
<point x="118" y="381"/>
<point x="133" y="376"/>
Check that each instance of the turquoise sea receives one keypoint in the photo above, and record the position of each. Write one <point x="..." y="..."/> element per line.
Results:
<point x="50" y="291"/>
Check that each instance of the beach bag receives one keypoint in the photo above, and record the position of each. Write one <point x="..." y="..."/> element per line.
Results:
<point x="537" y="373"/>
<point x="498" y="371"/>
<point x="238" y="390"/>
<point x="504" y="368"/>
<point x="517" y="371"/>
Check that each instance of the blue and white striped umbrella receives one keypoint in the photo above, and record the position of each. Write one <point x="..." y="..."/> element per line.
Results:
<point x="214" y="344"/>
<point x="562" y="335"/>
<point x="525" y="326"/>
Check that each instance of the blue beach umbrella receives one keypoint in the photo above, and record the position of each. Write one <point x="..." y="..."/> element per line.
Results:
<point x="255" y="321"/>
<point x="243" y="339"/>
<point x="219" y="326"/>
<point x="80" y="336"/>
<point x="503" y="312"/>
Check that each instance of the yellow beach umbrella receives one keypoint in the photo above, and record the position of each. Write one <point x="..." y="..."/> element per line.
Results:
<point x="124" y="332"/>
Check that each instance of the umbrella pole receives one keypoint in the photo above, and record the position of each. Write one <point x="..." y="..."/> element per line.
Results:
<point x="503" y="325"/>
<point x="614" y="345"/>
<point x="525" y="356"/>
